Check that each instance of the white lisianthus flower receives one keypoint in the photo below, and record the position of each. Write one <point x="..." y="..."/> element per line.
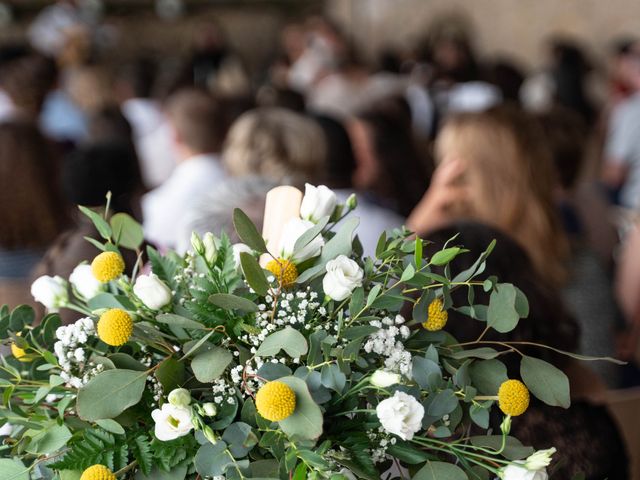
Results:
<point x="540" y="459"/>
<point x="401" y="415"/>
<point x="318" y="202"/>
<point x="84" y="282"/>
<point x="239" y="248"/>
<point x="293" y="230"/>
<point x="179" y="397"/>
<point x="152" y="291"/>
<point x="517" y="471"/>
<point x="171" y="422"/>
<point x="384" y="379"/>
<point x="342" y="277"/>
<point x="210" y="247"/>
<point x="50" y="291"/>
<point x="6" y="430"/>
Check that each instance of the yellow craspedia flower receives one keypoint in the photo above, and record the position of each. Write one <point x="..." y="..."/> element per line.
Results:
<point x="107" y="266"/>
<point x="284" y="270"/>
<point x="275" y="401"/>
<point x="513" y="397"/>
<point x="18" y="352"/>
<point x="97" y="472"/>
<point x="115" y="327"/>
<point x="436" y="316"/>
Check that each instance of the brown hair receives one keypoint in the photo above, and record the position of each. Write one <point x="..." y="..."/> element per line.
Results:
<point x="510" y="180"/>
<point x="197" y="119"/>
<point x="32" y="214"/>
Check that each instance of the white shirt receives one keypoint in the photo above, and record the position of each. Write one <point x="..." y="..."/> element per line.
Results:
<point x="165" y="207"/>
<point x="152" y="137"/>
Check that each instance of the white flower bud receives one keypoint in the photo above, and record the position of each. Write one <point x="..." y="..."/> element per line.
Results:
<point x="152" y="291"/>
<point x="210" y="248"/>
<point x="84" y="282"/>
<point x="179" y="397"/>
<point x="318" y="202"/>
<point x="343" y="277"/>
<point x="50" y="291"/>
<point x="239" y="248"/>
<point x="352" y="202"/>
<point x="540" y="459"/>
<point x="384" y="379"/>
<point x="210" y="409"/>
<point x="196" y="243"/>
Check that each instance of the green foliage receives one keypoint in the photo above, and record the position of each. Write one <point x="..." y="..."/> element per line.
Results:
<point x="109" y="393"/>
<point x="248" y="232"/>
<point x="95" y="446"/>
<point x="287" y="339"/>
<point x="545" y="381"/>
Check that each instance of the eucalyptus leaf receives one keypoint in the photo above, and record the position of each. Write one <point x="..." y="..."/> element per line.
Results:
<point x="110" y="393"/>
<point x="229" y="301"/>
<point x="545" y="381"/>
<point x="179" y="321"/>
<point x="248" y="232"/>
<point x="306" y="421"/>
<point x="288" y="339"/>
<point x="127" y="232"/>
<point x="211" y="364"/>
<point x="254" y="274"/>
<point x="440" y="471"/>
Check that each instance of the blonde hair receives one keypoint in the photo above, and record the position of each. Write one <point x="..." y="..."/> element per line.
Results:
<point x="509" y="179"/>
<point x="277" y="144"/>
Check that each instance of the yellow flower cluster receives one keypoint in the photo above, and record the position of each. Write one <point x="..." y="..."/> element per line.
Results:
<point x="284" y="270"/>
<point x="275" y="401"/>
<point x="115" y="327"/>
<point x="107" y="266"/>
<point x="436" y="316"/>
<point x="513" y="398"/>
<point x="97" y="472"/>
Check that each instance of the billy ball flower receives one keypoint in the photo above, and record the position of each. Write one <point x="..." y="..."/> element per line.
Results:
<point x="284" y="270"/>
<point x="513" y="398"/>
<point x="107" y="266"/>
<point x="115" y="327"/>
<point x="97" y="472"/>
<point x="436" y="316"/>
<point x="275" y="401"/>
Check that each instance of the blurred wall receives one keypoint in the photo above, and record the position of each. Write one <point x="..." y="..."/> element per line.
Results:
<point x="513" y="27"/>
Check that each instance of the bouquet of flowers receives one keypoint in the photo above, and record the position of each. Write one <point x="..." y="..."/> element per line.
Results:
<point x="291" y="358"/>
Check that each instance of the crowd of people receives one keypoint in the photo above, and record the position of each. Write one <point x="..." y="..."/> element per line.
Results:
<point x="438" y="138"/>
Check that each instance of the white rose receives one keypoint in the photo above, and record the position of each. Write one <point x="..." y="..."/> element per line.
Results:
<point x="384" y="379"/>
<point x="342" y="277"/>
<point x="517" y="471"/>
<point x="318" y="202"/>
<point x="50" y="291"/>
<point x="239" y="248"/>
<point x="152" y="291"/>
<point x="172" y="422"/>
<point x="84" y="282"/>
<point x="293" y="230"/>
<point x="401" y="415"/>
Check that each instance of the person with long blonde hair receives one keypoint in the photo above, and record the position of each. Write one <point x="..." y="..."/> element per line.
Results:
<point x="494" y="167"/>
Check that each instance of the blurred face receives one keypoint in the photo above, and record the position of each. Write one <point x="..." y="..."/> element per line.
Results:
<point x="367" y="167"/>
<point x="629" y="68"/>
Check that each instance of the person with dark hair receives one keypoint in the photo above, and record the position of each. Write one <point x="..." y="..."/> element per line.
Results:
<point x="151" y="132"/>
<point x="341" y="165"/>
<point x="33" y="212"/>
<point x="585" y="435"/>
<point x="388" y="165"/>
<point x="198" y="130"/>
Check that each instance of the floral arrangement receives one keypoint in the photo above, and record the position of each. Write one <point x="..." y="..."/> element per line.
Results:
<point x="302" y="361"/>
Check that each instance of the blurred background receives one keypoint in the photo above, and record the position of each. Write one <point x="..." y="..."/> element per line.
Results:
<point x="514" y="120"/>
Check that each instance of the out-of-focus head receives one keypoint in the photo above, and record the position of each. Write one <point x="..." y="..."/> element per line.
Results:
<point x="277" y="144"/>
<point x="197" y="120"/>
<point x="135" y="79"/>
<point x="630" y="66"/>
<point x="269" y="96"/>
<point x="90" y="88"/>
<point x="340" y="159"/>
<point x="95" y="169"/>
<point x="509" y="179"/>
<point x="27" y="80"/>
<point x="566" y="135"/>
<point x="109" y="124"/>
<point x="387" y="161"/>
<point x="33" y="213"/>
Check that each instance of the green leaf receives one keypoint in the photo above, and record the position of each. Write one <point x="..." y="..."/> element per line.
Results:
<point x="287" y="339"/>
<point x="179" y="321"/>
<point x="127" y="232"/>
<point x="501" y="314"/>
<point x="445" y="256"/>
<point x="111" y="426"/>
<point x="210" y="364"/>
<point x="417" y="255"/>
<point x="49" y="440"/>
<point x="170" y="374"/>
<point x="545" y="381"/>
<point x="440" y="471"/>
<point x="20" y="316"/>
<point x="405" y="452"/>
<point x="479" y="415"/>
<point x="408" y="274"/>
<point x="228" y="301"/>
<point x="488" y="375"/>
<point x="254" y="274"/>
<point x="442" y="403"/>
<point x="212" y="460"/>
<point x="100" y="223"/>
<point x="382" y="242"/>
<point x="514" y="450"/>
<point x="331" y="377"/>
<point x="13" y="470"/>
<point x="110" y="393"/>
<point x="306" y="238"/>
<point x="306" y="421"/>
<point x="248" y="232"/>
<point x="481" y="352"/>
<point x="108" y="300"/>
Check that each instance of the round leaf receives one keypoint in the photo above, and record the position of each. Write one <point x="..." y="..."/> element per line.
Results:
<point x="545" y="381"/>
<point x="110" y="393"/>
